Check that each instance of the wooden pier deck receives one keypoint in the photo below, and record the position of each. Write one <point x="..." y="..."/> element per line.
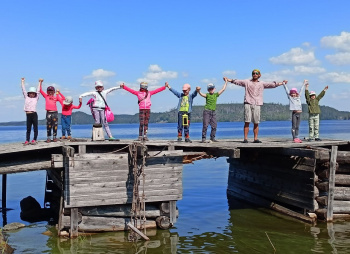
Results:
<point x="96" y="184"/>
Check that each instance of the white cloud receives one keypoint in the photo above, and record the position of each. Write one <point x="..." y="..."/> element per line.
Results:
<point x="209" y="80"/>
<point x="229" y="73"/>
<point x="341" y="95"/>
<point x="13" y="98"/>
<point x="336" y="77"/>
<point x="99" y="74"/>
<point x="155" y="74"/>
<point x="296" y="56"/>
<point x="342" y="58"/>
<point x="302" y="70"/>
<point x="340" y="43"/>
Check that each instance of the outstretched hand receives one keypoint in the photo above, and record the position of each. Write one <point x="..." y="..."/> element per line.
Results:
<point x="167" y="84"/>
<point x="122" y="85"/>
<point x="325" y="89"/>
<point x="198" y="88"/>
<point x="80" y="100"/>
<point x="41" y="80"/>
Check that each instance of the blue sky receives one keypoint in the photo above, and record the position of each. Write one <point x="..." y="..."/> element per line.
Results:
<point x="70" y="44"/>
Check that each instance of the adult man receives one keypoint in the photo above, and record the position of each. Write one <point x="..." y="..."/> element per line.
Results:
<point x="253" y="99"/>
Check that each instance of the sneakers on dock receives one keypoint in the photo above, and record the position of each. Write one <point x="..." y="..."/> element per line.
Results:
<point x="257" y="141"/>
<point x="26" y="143"/>
<point x="188" y="140"/>
<point x="33" y="142"/>
<point x="297" y="140"/>
<point x="318" y="139"/>
<point x="213" y="140"/>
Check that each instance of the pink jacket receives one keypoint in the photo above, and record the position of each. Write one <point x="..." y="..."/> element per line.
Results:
<point x="50" y="101"/>
<point x="30" y="103"/>
<point x="145" y="103"/>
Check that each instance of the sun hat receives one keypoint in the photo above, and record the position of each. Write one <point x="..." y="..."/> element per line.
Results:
<point x="186" y="86"/>
<point x="144" y="85"/>
<point x="50" y="88"/>
<point x="312" y="93"/>
<point x="210" y="86"/>
<point x="68" y="100"/>
<point x="98" y="83"/>
<point x="32" y="89"/>
<point x="293" y="90"/>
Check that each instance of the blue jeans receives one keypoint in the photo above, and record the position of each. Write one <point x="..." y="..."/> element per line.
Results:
<point x="181" y="127"/>
<point x="66" y="122"/>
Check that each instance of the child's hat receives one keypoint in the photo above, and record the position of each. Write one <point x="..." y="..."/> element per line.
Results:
<point x="144" y="85"/>
<point x="98" y="83"/>
<point x="50" y="88"/>
<point x="312" y="93"/>
<point x="293" y="90"/>
<point x="210" y="86"/>
<point x="32" y="89"/>
<point x="186" y="86"/>
<point x="68" y="100"/>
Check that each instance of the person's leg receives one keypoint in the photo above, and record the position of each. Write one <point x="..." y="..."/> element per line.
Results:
<point x="187" y="128"/>
<point x="105" y="123"/>
<point x="297" y="124"/>
<point x="246" y="130"/>
<point x="256" y="120"/>
<point x="311" y="127"/>
<point x="48" y="124"/>
<point x="35" y="125"/>
<point x="206" y="120"/>
<point x="317" y="125"/>
<point x="142" y="122"/>
<point x="247" y="120"/>
<point x="294" y="121"/>
<point x="64" y="125"/>
<point x="68" y="125"/>
<point x="147" y="115"/>
<point x="29" y="126"/>
<point x="54" y="124"/>
<point x="179" y="125"/>
<point x="213" y="124"/>
<point x="96" y="115"/>
<point x="256" y="131"/>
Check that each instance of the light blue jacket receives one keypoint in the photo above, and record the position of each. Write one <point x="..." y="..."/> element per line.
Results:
<point x="294" y="102"/>
<point x="180" y="95"/>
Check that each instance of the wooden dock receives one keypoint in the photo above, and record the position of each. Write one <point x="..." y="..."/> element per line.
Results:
<point x="96" y="183"/>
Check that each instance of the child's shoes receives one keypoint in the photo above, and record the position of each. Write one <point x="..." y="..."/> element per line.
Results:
<point x="297" y="140"/>
<point x="63" y="137"/>
<point x="69" y="137"/>
<point x="145" y="138"/>
<point x="33" y="142"/>
<point x="26" y="143"/>
<point x="48" y="140"/>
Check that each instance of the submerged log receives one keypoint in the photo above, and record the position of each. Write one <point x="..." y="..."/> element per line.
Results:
<point x="163" y="222"/>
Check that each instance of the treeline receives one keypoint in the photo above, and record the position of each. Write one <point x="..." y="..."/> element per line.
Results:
<point x="232" y="112"/>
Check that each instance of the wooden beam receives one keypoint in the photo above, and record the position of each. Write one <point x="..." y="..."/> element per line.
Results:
<point x="74" y="219"/>
<point x="332" y="166"/>
<point x="3" y="194"/>
<point x="172" y="208"/>
<point x="138" y="232"/>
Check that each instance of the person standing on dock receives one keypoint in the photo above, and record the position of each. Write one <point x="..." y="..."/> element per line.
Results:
<point x="296" y="108"/>
<point x="30" y="101"/>
<point x="66" y="117"/>
<point x="209" y="112"/>
<point x="51" y="111"/>
<point x="314" y="112"/>
<point x="253" y="100"/>
<point x="99" y="105"/>
<point x="184" y="108"/>
<point x="144" y="102"/>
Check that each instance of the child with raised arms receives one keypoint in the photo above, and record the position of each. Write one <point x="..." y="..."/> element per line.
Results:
<point x="66" y="117"/>
<point x="31" y="98"/>
<point x="51" y="111"/>
<point x="209" y="112"/>
<point x="296" y="108"/>
<point x="184" y="108"/>
<point x="144" y="102"/>
<point x="99" y="105"/>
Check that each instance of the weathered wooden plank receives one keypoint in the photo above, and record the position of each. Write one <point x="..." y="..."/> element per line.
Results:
<point x="332" y="168"/>
<point x="73" y="230"/>
<point x="340" y="206"/>
<point x="276" y="195"/>
<point x="341" y="193"/>
<point x="104" y="224"/>
<point x="341" y="179"/>
<point x="248" y="197"/>
<point x="152" y="210"/>
<point x="27" y="167"/>
<point x="119" y="200"/>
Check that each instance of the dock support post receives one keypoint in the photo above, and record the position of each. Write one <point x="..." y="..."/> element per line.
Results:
<point x="332" y="168"/>
<point x="172" y="209"/>
<point x="4" y="188"/>
<point x="73" y="232"/>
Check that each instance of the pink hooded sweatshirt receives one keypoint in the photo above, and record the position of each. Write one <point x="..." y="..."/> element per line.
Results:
<point x="144" y="98"/>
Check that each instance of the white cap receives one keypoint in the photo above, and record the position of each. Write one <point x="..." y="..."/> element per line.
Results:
<point x="68" y="100"/>
<point x="98" y="83"/>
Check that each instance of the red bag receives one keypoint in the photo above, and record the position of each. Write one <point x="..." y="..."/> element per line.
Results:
<point x="109" y="114"/>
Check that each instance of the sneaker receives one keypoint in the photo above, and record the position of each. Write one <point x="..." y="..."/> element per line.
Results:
<point x="213" y="140"/>
<point x="245" y="141"/>
<point x="300" y="140"/>
<point x="318" y="139"/>
<point x="296" y="140"/>
<point x="69" y="137"/>
<point x="139" y="138"/>
<point x="113" y="139"/>
<point x="48" y="140"/>
<point x="179" y="139"/>
<point x="203" y="140"/>
<point x="33" y="142"/>
<point x="188" y="140"/>
<point x="54" y="140"/>
<point x="145" y="138"/>
<point x="257" y="141"/>
<point x="63" y="137"/>
<point x="26" y="143"/>
<point x="310" y="139"/>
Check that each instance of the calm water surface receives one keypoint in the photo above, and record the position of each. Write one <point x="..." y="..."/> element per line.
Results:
<point x="208" y="222"/>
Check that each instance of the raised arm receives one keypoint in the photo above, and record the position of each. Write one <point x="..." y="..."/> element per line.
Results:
<point x="39" y="84"/>
<point x="123" y="86"/>
<point x="162" y="88"/>
<point x="224" y="87"/>
<point x="23" y="88"/>
<point x="198" y="89"/>
<point x="303" y="86"/>
<point x="112" y="89"/>
<point x="286" y="89"/>
<point x="41" y="88"/>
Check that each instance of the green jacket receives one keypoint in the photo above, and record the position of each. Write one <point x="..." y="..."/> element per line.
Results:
<point x="313" y="106"/>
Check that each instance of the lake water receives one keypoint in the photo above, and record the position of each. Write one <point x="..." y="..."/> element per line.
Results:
<point x="208" y="222"/>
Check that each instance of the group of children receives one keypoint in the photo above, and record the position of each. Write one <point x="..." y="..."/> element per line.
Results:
<point x="98" y="105"/>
